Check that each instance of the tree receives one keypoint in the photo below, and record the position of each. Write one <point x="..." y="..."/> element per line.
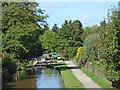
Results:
<point x="55" y="28"/>
<point x="89" y="30"/>
<point x="71" y="34"/>
<point x="103" y="23"/>
<point x="51" y="42"/>
<point x="20" y="34"/>
<point x="17" y="13"/>
<point x="45" y="28"/>
<point x="103" y="48"/>
<point x="89" y="45"/>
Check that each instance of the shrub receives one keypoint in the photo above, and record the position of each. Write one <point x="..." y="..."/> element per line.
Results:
<point x="9" y="67"/>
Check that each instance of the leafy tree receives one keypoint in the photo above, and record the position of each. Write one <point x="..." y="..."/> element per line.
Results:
<point x="55" y="28"/>
<point x="103" y="23"/>
<point x="89" y="44"/>
<point x="108" y="37"/>
<point x="89" y="30"/>
<point x="17" y="13"/>
<point x="51" y="42"/>
<point x="80" y="52"/>
<point x="64" y="53"/>
<point x="103" y="47"/>
<point x="45" y="28"/>
<point x="8" y="67"/>
<point x="21" y="30"/>
<point x="71" y="34"/>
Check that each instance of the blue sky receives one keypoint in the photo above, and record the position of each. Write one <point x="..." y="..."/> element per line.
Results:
<point x="89" y="13"/>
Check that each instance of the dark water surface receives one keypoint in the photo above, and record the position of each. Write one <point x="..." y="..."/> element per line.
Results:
<point x="36" y="78"/>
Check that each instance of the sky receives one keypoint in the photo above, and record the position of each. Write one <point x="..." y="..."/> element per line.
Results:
<point x="89" y="13"/>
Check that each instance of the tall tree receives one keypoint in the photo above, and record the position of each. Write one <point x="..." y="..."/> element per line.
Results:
<point x="90" y="30"/>
<point x="103" y="23"/>
<point x="71" y="34"/>
<point x="45" y="28"/>
<point x="51" y="42"/>
<point x="21" y="29"/>
<point x="55" y="28"/>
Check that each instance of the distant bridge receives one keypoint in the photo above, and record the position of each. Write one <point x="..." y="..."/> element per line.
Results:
<point x="41" y="63"/>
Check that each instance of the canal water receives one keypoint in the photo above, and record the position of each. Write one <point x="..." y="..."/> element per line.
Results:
<point x="36" y="78"/>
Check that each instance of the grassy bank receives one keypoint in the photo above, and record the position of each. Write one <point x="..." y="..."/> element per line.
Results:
<point x="70" y="80"/>
<point x="98" y="80"/>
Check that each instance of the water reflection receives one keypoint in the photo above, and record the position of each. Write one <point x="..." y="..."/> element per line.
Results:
<point x="36" y="78"/>
<point x="49" y="78"/>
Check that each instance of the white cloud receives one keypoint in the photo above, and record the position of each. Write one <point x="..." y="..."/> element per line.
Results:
<point x="48" y="12"/>
<point x="60" y="6"/>
<point x="89" y="19"/>
<point x="46" y="5"/>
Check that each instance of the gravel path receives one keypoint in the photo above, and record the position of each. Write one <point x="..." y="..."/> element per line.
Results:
<point x="83" y="78"/>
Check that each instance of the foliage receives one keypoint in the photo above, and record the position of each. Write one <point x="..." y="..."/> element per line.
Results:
<point x="64" y="53"/>
<point x="103" y="46"/>
<point x="108" y="37"/>
<point x="8" y="67"/>
<point x="89" y="47"/>
<point x="22" y="74"/>
<point x="80" y="52"/>
<point x="55" y="28"/>
<point x="21" y="29"/>
<point x="70" y="55"/>
<point x="89" y="30"/>
<point x="17" y="13"/>
<point x="30" y="63"/>
<point x="51" y="42"/>
<point x="103" y="23"/>
<point x="20" y="34"/>
<point x="70" y="80"/>
<point x="45" y="28"/>
<point x="71" y="34"/>
<point x="66" y="38"/>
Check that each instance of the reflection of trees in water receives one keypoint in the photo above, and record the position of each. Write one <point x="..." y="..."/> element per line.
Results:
<point x="34" y="73"/>
<point x="20" y="75"/>
<point x="24" y="74"/>
<point x="47" y="72"/>
<point x="34" y="77"/>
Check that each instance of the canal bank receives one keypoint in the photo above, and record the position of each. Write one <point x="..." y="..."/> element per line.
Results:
<point x="36" y="78"/>
<point x="68" y="77"/>
<point x="65" y="78"/>
<point x="82" y="77"/>
<point x="53" y="66"/>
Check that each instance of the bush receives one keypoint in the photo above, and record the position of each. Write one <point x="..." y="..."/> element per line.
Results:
<point x="104" y="47"/>
<point x="8" y="67"/>
<point x="70" y="55"/>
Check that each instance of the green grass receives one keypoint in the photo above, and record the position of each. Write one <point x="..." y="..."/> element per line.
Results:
<point x="70" y="80"/>
<point x="98" y="80"/>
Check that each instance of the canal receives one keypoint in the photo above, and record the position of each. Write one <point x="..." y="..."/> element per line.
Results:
<point x="36" y="78"/>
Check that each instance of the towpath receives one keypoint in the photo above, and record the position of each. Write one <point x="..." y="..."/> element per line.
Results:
<point x="83" y="78"/>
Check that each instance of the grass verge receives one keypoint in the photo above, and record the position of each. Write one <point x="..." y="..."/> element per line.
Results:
<point x="98" y="80"/>
<point x="70" y="80"/>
